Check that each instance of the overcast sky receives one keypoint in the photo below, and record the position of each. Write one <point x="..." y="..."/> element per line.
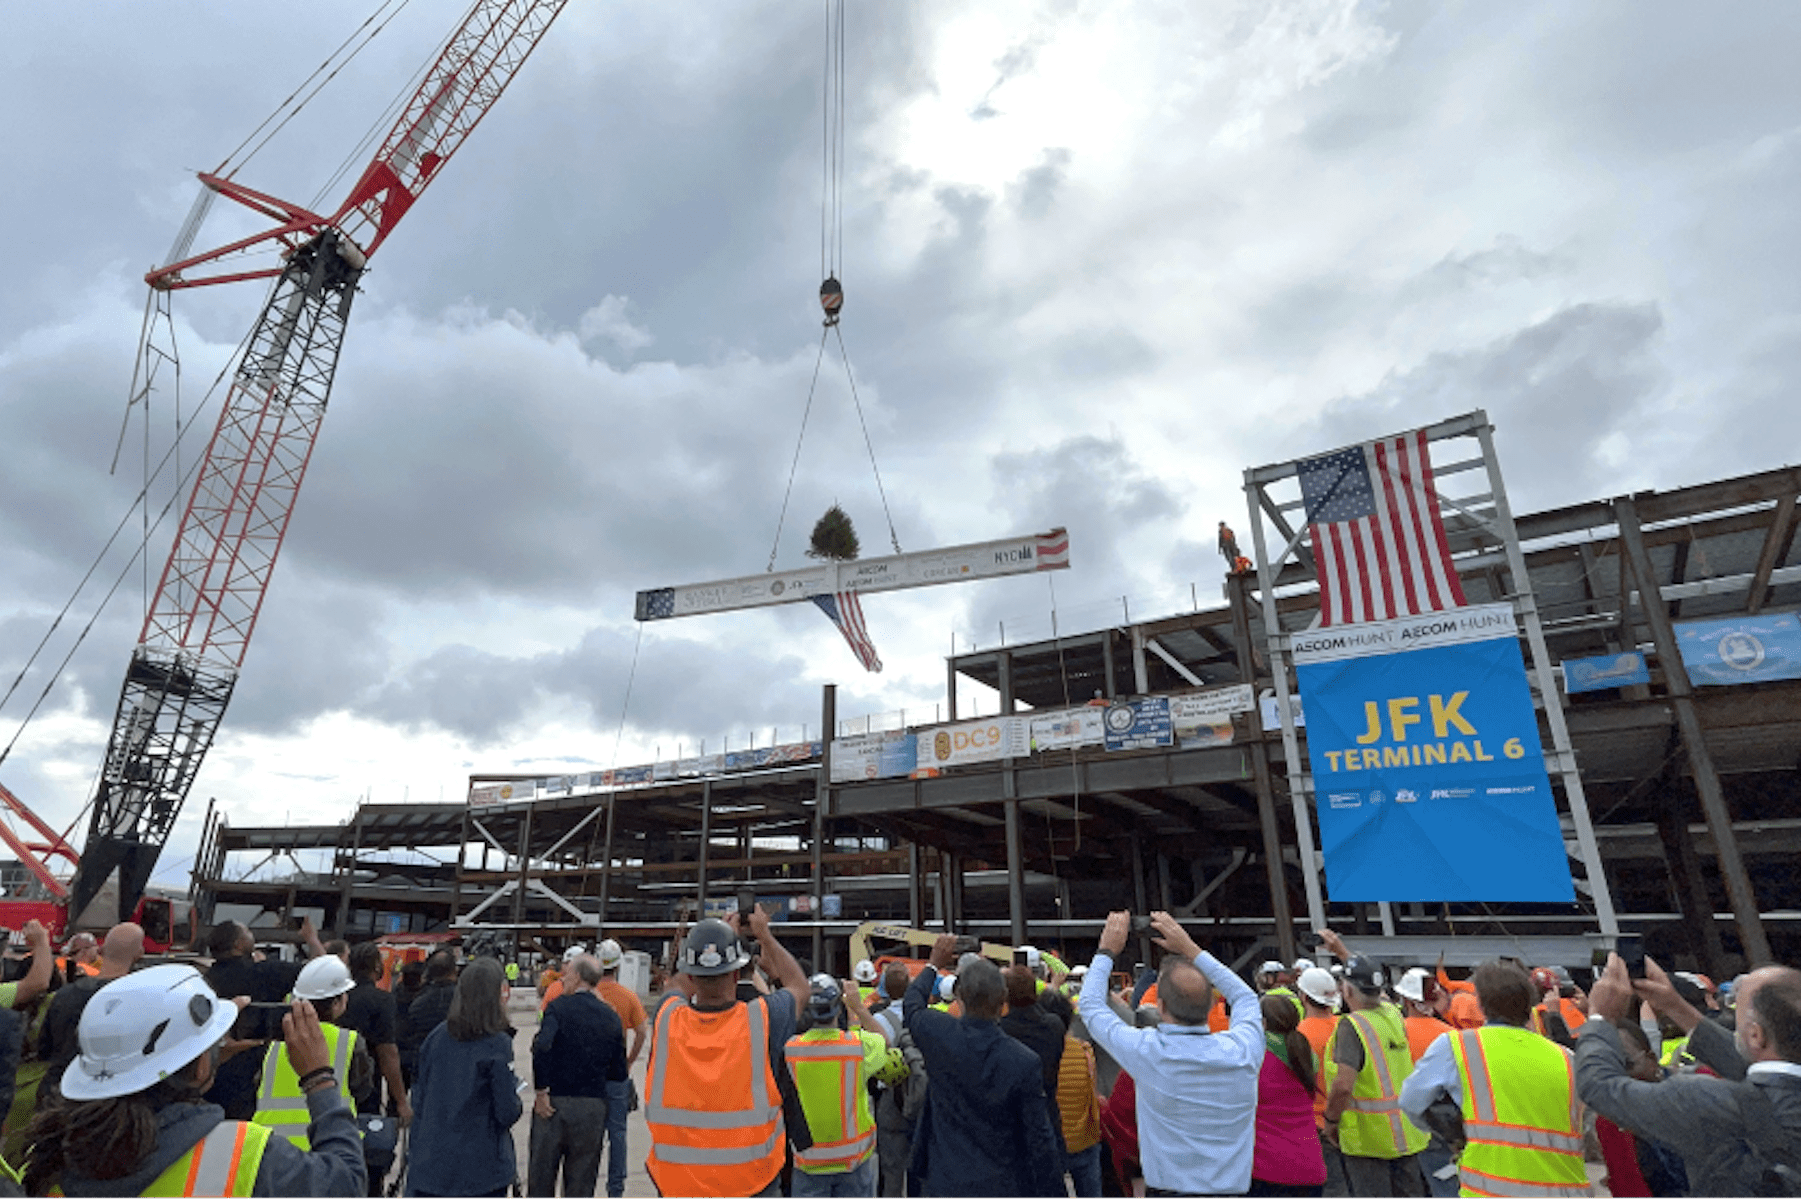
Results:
<point x="1099" y="258"/>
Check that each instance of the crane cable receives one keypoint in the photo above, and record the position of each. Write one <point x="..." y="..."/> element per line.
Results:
<point x="325" y="68"/>
<point x="831" y="266"/>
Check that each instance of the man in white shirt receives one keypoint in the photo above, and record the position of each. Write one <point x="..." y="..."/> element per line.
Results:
<point x="1197" y="1092"/>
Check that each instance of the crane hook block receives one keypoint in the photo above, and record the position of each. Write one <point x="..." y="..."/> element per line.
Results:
<point x="831" y="298"/>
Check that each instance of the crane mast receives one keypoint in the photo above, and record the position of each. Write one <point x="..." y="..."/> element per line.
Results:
<point x="183" y="670"/>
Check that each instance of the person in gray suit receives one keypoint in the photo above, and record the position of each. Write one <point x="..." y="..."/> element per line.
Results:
<point x="1738" y="1133"/>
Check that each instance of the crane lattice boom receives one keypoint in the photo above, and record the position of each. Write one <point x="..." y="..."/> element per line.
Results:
<point x="182" y="672"/>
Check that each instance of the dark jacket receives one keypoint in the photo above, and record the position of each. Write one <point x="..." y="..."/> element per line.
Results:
<point x="1042" y="1034"/>
<point x="465" y="1102"/>
<point x="334" y="1167"/>
<point x="579" y="1048"/>
<point x="424" y="1014"/>
<point x="1700" y="1117"/>
<point x="985" y="1130"/>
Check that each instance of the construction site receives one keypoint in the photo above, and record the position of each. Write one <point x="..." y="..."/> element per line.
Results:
<point x="1694" y="791"/>
<point x="1162" y="761"/>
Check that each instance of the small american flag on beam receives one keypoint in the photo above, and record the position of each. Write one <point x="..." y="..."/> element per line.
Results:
<point x="1372" y="517"/>
<point x="846" y="612"/>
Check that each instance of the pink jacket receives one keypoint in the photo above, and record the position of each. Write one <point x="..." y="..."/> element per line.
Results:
<point x="1287" y="1144"/>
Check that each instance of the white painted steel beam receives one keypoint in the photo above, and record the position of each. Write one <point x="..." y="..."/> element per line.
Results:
<point x="923" y="568"/>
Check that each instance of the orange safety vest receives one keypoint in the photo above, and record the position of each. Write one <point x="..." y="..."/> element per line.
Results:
<point x="1520" y="1114"/>
<point x="1318" y="1032"/>
<point x="711" y="1104"/>
<point x="1422" y="1032"/>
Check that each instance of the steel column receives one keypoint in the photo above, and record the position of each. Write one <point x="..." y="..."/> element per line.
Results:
<point x="1016" y="875"/>
<point x="1260" y="773"/>
<point x="1752" y="939"/>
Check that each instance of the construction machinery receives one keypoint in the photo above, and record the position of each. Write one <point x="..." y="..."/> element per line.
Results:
<point x="181" y="674"/>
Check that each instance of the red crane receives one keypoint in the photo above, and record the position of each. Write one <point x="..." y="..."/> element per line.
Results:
<point x="199" y="624"/>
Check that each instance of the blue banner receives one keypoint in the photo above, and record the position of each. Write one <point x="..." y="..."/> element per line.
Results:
<point x="1138" y="724"/>
<point x="1604" y="672"/>
<point x="1752" y="649"/>
<point x="1428" y="773"/>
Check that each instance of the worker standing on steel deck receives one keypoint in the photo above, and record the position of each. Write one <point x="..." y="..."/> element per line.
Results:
<point x="711" y="1101"/>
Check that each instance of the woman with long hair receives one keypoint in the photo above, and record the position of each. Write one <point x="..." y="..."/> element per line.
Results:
<point x="1287" y="1160"/>
<point x="466" y="1098"/>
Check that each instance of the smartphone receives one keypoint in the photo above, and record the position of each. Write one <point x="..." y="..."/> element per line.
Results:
<point x="1019" y="958"/>
<point x="747" y="904"/>
<point x="1631" y="947"/>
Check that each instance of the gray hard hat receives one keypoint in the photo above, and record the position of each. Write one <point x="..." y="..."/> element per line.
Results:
<point x="711" y="948"/>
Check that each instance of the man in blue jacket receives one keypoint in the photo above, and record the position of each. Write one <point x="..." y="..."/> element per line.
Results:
<point x="985" y="1129"/>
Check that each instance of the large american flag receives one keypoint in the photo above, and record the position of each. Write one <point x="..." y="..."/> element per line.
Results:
<point x="1372" y="516"/>
<point x="846" y="612"/>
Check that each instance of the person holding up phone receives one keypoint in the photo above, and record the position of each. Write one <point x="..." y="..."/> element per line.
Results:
<point x="130" y="1122"/>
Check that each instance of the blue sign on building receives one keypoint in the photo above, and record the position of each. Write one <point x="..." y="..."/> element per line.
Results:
<point x="1428" y="773"/>
<point x="1138" y="724"/>
<point x="1752" y="649"/>
<point x="1604" y="671"/>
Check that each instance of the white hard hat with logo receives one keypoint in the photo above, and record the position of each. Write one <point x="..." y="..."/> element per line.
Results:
<point x="609" y="954"/>
<point x="574" y="952"/>
<point x="323" y="978"/>
<point x="143" y="1028"/>
<point x="864" y="971"/>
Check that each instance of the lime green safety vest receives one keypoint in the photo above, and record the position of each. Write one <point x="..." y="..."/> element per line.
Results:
<point x="828" y="1074"/>
<point x="223" y="1163"/>
<point x="280" y="1104"/>
<point x="1520" y="1114"/>
<point x="1374" y="1126"/>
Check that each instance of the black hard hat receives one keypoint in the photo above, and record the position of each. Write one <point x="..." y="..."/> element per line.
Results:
<point x="822" y="1006"/>
<point x="711" y="948"/>
<point x="1365" y="973"/>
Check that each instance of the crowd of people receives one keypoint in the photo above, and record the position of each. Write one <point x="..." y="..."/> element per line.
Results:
<point x="951" y="1075"/>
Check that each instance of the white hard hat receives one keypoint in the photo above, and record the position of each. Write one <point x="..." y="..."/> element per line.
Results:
<point x="1271" y="968"/>
<point x="142" y="1028"/>
<point x="1034" y="958"/>
<point x="1302" y="964"/>
<point x="1318" y="986"/>
<point x="1413" y="984"/>
<point x="322" y="978"/>
<point x="864" y="972"/>
<point x="947" y="984"/>
<point x="609" y="954"/>
<point x="574" y="952"/>
<point x="1079" y="970"/>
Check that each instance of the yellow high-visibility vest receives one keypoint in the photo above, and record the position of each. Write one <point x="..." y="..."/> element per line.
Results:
<point x="1520" y="1114"/>
<point x="223" y="1163"/>
<point x="1373" y="1126"/>
<point x="280" y="1104"/>
<point x="834" y="1093"/>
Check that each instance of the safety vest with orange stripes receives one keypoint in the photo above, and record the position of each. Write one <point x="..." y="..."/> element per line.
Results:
<point x="223" y="1163"/>
<point x="711" y="1103"/>
<point x="1373" y="1126"/>
<point x="834" y="1093"/>
<point x="1520" y="1115"/>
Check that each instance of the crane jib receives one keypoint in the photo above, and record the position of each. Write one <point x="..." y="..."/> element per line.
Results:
<point x="182" y="674"/>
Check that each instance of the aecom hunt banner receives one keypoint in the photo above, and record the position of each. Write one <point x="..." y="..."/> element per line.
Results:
<point x="1428" y="773"/>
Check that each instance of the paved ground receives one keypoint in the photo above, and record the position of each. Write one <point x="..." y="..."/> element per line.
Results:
<point x="524" y="1011"/>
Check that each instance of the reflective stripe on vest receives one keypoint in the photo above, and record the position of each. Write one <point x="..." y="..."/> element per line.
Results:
<point x="1524" y="1139"/>
<point x="1373" y="1125"/>
<point x="830" y="1070"/>
<point x="223" y="1163"/>
<point x="685" y="1135"/>
<point x="280" y="1104"/>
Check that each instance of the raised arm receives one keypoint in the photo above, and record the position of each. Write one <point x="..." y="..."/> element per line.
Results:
<point x="776" y="959"/>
